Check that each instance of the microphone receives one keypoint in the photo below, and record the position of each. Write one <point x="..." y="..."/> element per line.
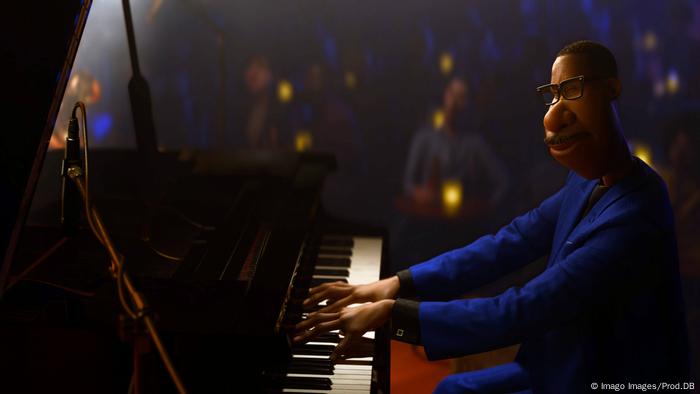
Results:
<point x="71" y="200"/>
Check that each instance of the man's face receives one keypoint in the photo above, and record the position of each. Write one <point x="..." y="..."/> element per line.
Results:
<point x="580" y="133"/>
<point x="455" y="97"/>
<point x="257" y="77"/>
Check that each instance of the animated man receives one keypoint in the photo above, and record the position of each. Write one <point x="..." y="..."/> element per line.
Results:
<point x="608" y="306"/>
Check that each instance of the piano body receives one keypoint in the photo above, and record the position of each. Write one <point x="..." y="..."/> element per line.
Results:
<point x="224" y="256"/>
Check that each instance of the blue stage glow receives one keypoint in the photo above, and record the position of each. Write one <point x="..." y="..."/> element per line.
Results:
<point x="306" y="113"/>
<point x="331" y="51"/>
<point x="489" y="48"/>
<point x="429" y="38"/>
<point x="529" y="7"/>
<point x="587" y="6"/>
<point x="101" y="125"/>
<point x="369" y="58"/>
<point x="602" y="23"/>
<point x="474" y="17"/>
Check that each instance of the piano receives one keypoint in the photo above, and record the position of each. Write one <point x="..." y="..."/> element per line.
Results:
<point x="224" y="255"/>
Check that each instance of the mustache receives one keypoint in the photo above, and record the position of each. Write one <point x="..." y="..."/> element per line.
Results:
<point x="560" y="139"/>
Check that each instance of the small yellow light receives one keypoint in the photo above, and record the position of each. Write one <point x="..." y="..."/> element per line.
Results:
<point x="643" y="151"/>
<point x="451" y="197"/>
<point x="446" y="63"/>
<point x="285" y="91"/>
<point x="672" y="83"/>
<point x="350" y="80"/>
<point x="302" y="141"/>
<point x="650" y="42"/>
<point x="438" y="119"/>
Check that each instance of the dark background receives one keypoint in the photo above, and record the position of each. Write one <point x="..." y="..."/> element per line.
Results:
<point x="504" y="49"/>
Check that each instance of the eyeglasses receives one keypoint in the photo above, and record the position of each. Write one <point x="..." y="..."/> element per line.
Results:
<point x="570" y="89"/>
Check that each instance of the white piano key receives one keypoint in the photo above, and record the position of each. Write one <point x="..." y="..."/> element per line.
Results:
<point x="310" y="356"/>
<point x="333" y="391"/>
<point x="352" y="368"/>
<point x="349" y="387"/>
<point x="354" y="375"/>
<point x="334" y="277"/>
<point x="366" y="260"/>
<point x="339" y="378"/>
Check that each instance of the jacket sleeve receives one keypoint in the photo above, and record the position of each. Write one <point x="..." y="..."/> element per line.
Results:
<point x="525" y="239"/>
<point x="606" y="266"/>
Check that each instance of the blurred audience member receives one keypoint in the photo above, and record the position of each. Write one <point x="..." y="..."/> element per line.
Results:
<point x="262" y="115"/>
<point x="332" y="126"/>
<point x="683" y="178"/>
<point x="442" y="152"/>
<point x="451" y="179"/>
<point x="330" y="120"/>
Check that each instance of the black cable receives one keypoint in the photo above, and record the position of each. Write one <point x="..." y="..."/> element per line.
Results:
<point x="140" y="311"/>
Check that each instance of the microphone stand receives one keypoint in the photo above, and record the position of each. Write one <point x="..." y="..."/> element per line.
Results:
<point x="140" y="96"/>
<point x="140" y="310"/>
<point x="144" y="127"/>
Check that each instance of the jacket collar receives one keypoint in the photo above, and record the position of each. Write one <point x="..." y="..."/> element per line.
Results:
<point x="625" y="186"/>
<point x="576" y="201"/>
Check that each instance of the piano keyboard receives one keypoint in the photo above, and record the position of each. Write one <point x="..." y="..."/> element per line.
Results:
<point x="356" y="260"/>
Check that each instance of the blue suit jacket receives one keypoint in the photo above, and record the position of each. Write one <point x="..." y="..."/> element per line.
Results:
<point x="608" y="307"/>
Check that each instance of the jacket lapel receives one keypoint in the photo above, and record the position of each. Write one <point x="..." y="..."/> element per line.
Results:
<point x="569" y="212"/>
<point x="578" y="198"/>
<point x="618" y="191"/>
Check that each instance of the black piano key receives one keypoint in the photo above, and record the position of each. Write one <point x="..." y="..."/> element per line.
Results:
<point x="300" y="292"/>
<point x="310" y="369"/>
<point x="333" y="261"/>
<point x="335" y="251"/>
<point x="294" y="307"/>
<point x="293" y="317"/>
<point x="347" y="242"/>
<point x="319" y="281"/>
<point x="328" y="337"/>
<point x="312" y="308"/>
<point x="312" y="362"/>
<point x="297" y="301"/>
<point x="306" y="383"/>
<point x="306" y="268"/>
<point x="332" y="272"/>
<point x="354" y="362"/>
<point x="313" y="350"/>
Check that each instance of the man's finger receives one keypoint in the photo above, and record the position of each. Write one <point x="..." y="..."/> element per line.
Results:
<point x="338" y="305"/>
<point x="325" y="286"/>
<point x="342" y="347"/>
<point x="327" y="291"/>
<point x="317" y="330"/>
<point x="314" y="319"/>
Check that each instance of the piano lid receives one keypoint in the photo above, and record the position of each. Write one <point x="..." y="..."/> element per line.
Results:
<point x="40" y="42"/>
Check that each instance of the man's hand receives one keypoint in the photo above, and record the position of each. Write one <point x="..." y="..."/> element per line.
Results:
<point x="352" y="323"/>
<point x="340" y="294"/>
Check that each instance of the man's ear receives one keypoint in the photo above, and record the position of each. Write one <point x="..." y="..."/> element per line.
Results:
<point x="614" y="87"/>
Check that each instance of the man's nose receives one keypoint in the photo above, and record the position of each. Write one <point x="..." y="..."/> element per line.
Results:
<point x="558" y="117"/>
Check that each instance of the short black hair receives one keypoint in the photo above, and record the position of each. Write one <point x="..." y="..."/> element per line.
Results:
<point x="600" y="57"/>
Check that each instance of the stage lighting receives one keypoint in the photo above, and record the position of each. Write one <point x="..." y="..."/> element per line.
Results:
<point x="446" y="63"/>
<point x="285" y="91"/>
<point x="303" y="140"/>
